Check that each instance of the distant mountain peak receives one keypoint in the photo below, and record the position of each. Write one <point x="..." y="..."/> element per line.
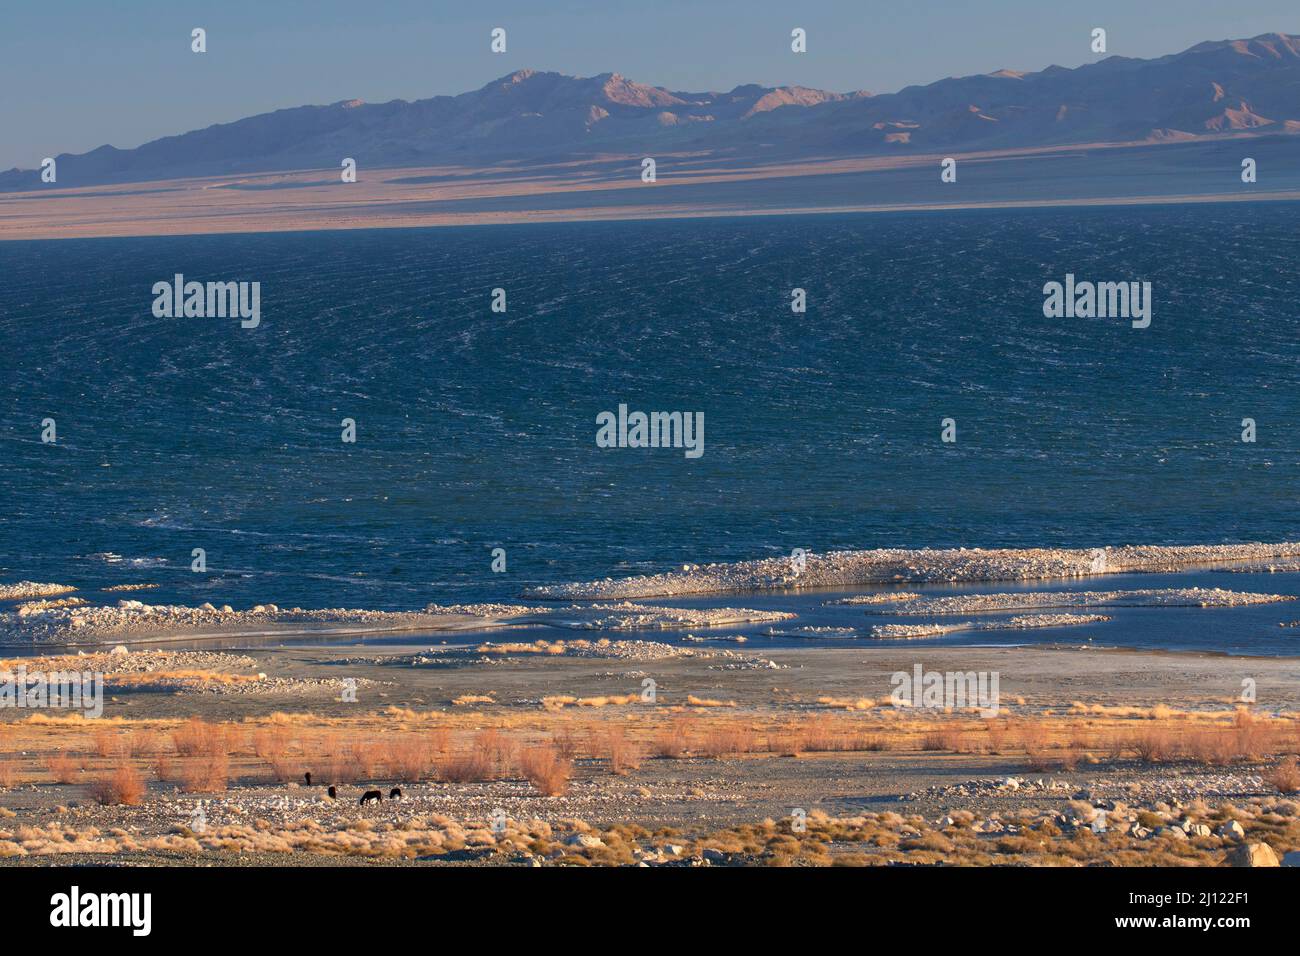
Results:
<point x="1264" y="46"/>
<point x="1238" y="87"/>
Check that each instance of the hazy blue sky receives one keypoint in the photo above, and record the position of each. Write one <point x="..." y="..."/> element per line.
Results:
<point x="80" y="73"/>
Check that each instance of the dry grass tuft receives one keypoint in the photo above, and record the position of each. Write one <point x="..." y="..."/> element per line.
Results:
<point x="199" y="738"/>
<point x="1213" y="747"/>
<point x="1285" y="777"/>
<point x="124" y="786"/>
<point x="727" y="739"/>
<point x="272" y="745"/>
<point x="496" y="748"/>
<point x="409" y="759"/>
<point x="566" y="742"/>
<point x="473" y="766"/>
<point x="164" y="767"/>
<point x="64" y="767"/>
<point x="546" y="768"/>
<point x="365" y="758"/>
<point x="206" y="751"/>
<point x="694" y="701"/>
<point x="624" y="756"/>
<point x="1154" y="746"/>
<point x="997" y="735"/>
<point x="672" y="742"/>
<point x="466" y="768"/>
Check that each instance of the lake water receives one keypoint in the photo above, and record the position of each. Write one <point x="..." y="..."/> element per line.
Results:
<point x="476" y="430"/>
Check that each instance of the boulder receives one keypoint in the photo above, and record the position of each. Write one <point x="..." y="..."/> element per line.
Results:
<point x="1231" y="830"/>
<point x="1251" y="854"/>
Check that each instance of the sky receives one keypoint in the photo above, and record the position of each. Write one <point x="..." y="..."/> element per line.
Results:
<point x="77" y="74"/>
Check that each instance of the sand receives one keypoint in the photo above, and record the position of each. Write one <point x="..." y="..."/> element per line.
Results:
<point x="609" y="188"/>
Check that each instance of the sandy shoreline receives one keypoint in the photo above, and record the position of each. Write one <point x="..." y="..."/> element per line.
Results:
<point x="608" y="188"/>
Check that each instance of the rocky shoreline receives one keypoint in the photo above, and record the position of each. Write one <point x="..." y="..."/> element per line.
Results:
<point x="75" y="621"/>
<point x="1019" y="623"/>
<point x="1033" y="600"/>
<point x="900" y="566"/>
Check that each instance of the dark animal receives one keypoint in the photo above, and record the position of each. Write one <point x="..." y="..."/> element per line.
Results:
<point x="307" y="775"/>
<point x="395" y="793"/>
<point x="333" y="794"/>
<point x="369" y="795"/>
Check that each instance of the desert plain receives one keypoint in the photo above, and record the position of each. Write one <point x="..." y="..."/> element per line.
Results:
<point x="651" y="735"/>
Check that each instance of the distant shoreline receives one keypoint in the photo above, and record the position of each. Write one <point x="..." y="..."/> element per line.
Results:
<point x="146" y="230"/>
<point x="246" y="228"/>
<point x="690" y="186"/>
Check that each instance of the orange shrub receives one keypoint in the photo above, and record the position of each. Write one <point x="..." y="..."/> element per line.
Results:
<point x="123" y="786"/>
<point x="546" y="769"/>
<point x="64" y="767"/>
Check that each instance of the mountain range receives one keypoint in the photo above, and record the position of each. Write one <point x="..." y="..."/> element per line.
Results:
<point x="1225" y="87"/>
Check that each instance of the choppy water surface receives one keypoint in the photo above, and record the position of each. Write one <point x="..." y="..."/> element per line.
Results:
<point x="476" y="430"/>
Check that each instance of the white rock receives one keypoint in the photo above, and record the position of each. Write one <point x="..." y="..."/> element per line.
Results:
<point x="1232" y="829"/>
